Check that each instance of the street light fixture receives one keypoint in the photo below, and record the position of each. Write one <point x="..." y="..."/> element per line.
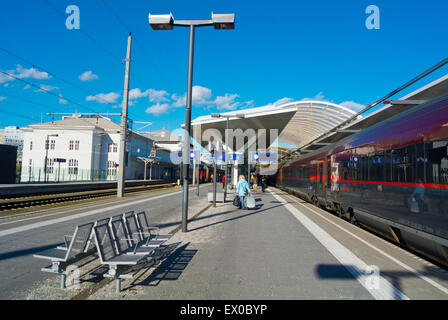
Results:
<point x="167" y="22"/>
<point x="219" y="115"/>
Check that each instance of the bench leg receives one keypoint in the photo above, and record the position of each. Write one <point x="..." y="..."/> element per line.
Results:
<point x="117" y="285"/>
<point x="63" y="276"/>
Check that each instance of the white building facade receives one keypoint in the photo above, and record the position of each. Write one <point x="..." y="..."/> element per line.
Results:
<point x="82" y="149"/>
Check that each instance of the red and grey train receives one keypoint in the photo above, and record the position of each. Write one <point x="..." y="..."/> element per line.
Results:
<point x="391" y="178"/>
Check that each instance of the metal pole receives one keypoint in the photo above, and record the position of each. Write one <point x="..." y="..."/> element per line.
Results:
<point x="46" y="159"/>
<point x="186" y="153"/>
<point x="214" y="178"/>
<point x="146" y="163"/>
<point x="227" y="160"/>
<point x="124" y="123"/>
<point x="198" y="171"/>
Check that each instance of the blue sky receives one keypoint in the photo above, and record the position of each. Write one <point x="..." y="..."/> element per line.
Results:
<point x="279" y="50"/>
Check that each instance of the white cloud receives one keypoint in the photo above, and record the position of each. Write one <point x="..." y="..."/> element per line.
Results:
<point x="226" y="102"/>
<point x="152" y="94"/>
<point x="26" y="87"/>
<point x="46" y="87"/>
<point x="280" y="102"/>
<point x="2" y="98"/>
<point x="158" y="109"/>
<point x="23" y="73"/>
<point x="62" y="100"/>
<point x="200" y="96"/>
<point x="353" y="105"/>
<point x="104" y="97"/>
<point x="317" y="97"/>
<point x="88" y="76"/>
<point x="32" y="73"/>
<point x="5" y="78"/>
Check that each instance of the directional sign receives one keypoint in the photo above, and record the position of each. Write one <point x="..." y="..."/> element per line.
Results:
<point x="194" y="154"/>
<point x="60" y="160"/>
<point x="221" y="156"/>
<point x="235" y="156"/>
<point x="264" y="156"/>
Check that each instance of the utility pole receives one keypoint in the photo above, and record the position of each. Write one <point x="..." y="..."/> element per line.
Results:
<point x="124" y="124"/>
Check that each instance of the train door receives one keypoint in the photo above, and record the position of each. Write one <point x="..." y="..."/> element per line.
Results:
<point x="328" y="170"/>
<point x="320" y="178"/>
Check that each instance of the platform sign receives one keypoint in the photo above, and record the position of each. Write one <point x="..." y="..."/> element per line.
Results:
<point x="153" y="152"/>
<point x="221" y="156"/>
<point x="235" y="157"/>
<point x="194" y="154"/>
<point x="264" y="156"/>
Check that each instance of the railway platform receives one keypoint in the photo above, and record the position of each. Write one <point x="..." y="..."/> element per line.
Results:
<point x="284" y="249"/>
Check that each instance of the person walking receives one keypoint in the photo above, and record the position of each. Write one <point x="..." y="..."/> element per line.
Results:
<point x="223" y="180"/>
<point x="241" y="188"/>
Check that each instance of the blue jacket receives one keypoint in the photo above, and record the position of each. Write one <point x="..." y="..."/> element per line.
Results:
<point x="242" y="187"/>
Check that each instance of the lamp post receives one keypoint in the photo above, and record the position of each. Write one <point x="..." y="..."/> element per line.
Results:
<point x="167" y="22"/>
<point x="47" y="145"/>
<point x="219" y="115"/>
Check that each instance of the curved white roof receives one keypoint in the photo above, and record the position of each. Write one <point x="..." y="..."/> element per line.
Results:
<point x="298" y="122"/>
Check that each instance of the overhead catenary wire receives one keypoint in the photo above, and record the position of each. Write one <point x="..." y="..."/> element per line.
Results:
<point x="51" y="73"/>
<point x="55" y="76"/>
<point x="374" y="104"/>
<point x="97" y="43"/>
<point x="46" y="91"/>
<point x="145" y="53"/>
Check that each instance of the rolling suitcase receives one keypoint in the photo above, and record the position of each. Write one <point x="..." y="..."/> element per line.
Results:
<point x="249" y="202"/>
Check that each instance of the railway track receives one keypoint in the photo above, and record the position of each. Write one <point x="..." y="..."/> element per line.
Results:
<point x="40" y="200"/>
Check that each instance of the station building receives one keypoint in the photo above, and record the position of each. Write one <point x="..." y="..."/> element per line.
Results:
<point x="80" y="148"/>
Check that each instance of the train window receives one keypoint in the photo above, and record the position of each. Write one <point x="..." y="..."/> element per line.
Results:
<point x="437" y="165"/>
<point x="420" y="162"/>
<point x="355" y="163"/>
<point x="365" y="168"/>
<point x="376" y="170"/>
<point x="403" y="164"/>
<point x="387" y="167"/>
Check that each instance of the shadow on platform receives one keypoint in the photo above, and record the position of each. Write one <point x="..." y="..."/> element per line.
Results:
<point x="26" y="252"/>
<point x="176" y="261"/>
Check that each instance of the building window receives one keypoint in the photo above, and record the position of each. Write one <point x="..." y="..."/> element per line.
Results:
<point x="50" y="163"/>
<point x="52" y="144"/>
<point x="111" y="168"/>
<point x="72" y="166"/>
<point x="31" y="162"/>
<point x="112" y="147"/>
<point x="31" y="145"/>
<point x="77" y="145"/>
<point x="71" y="145"/>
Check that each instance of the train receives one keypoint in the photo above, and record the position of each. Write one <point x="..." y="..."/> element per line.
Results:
<point x="390" y="178"/>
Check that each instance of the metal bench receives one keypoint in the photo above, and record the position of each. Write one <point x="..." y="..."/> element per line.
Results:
<point x="125" y="242"/>
<point x="97" y="222"/>
<point x="75" y="249"/>
<point x="144" y="238"/>
<point x="113" y="258"/>
<point x="144" y="226"/>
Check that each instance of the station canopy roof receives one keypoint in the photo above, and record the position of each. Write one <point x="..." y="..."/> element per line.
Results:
<point x="297" y="122"/>
<point x="392" y="108"/>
